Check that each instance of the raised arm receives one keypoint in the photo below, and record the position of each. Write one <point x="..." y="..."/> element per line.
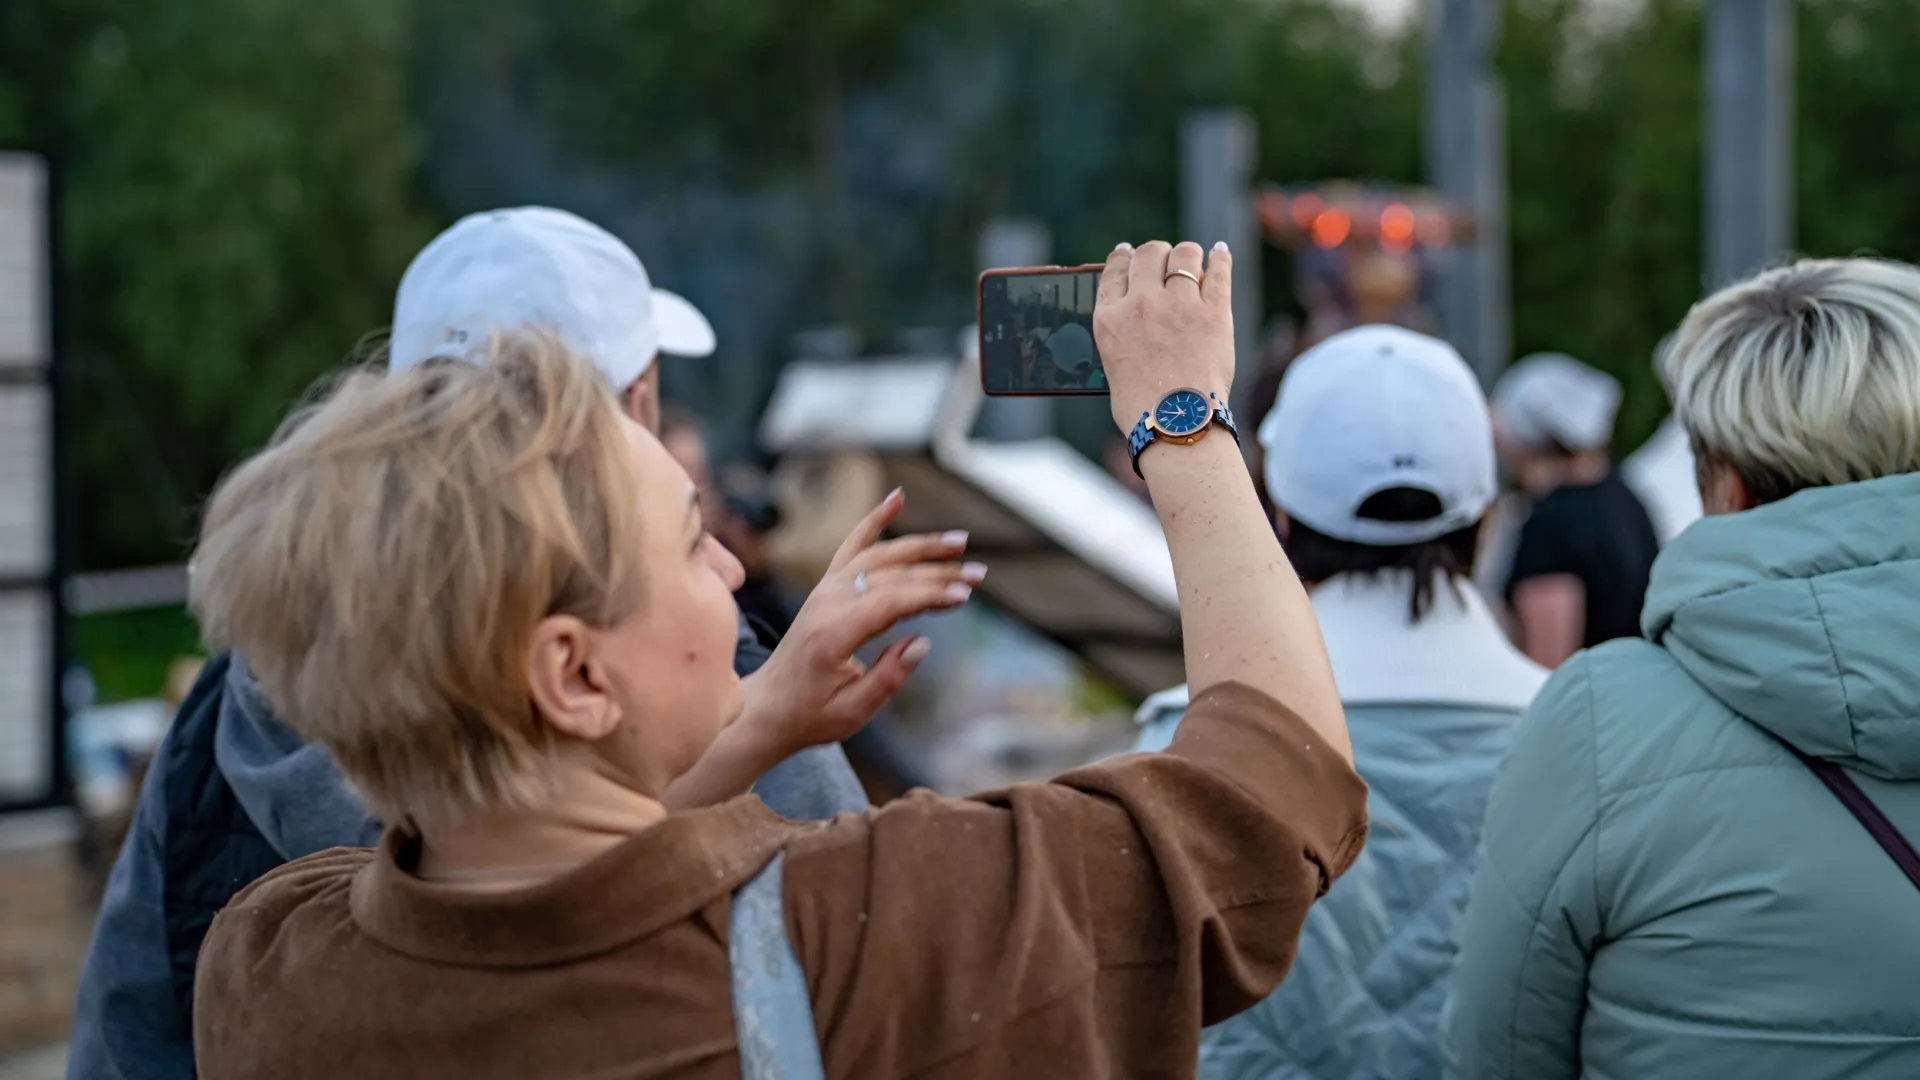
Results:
<point x="1092" y="925"/>
<point x="1244" y="615"/>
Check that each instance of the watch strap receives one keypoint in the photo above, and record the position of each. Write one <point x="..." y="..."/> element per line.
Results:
<point x="1144" y="433"/>
<point x="1223" y="416"/>
<point x="1137" y="440"/>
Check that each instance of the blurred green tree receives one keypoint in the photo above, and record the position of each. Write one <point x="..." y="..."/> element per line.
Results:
<point x="892" y="132"/>
<point x="1605" y="128"/>
<point x="243" y="180"/>
<point x="238" y="204"/>
<point x="1859" y="133"/>
<point x="1064" y="110"/>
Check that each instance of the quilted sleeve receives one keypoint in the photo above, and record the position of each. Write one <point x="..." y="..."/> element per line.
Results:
<point x="1533" y="918"/>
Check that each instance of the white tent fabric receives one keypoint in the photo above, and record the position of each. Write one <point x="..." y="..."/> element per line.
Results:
<point x="1075" y="555"/>
<point x="1661" y="473"/>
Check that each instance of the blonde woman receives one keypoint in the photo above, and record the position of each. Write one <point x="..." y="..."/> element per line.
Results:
<point x="233" y="792"/>
<point x="516" y="639"/>
<point x="1668" y="884"/>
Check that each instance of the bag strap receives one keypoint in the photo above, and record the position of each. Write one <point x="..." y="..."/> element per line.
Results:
<point x="772" y="1009"/>
<point x="1863" y="808"/>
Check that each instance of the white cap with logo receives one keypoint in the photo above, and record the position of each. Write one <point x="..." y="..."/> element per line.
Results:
<point x="1374" y="408"/>
<point x="538" y="267"/>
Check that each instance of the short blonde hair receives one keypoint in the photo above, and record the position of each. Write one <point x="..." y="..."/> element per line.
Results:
<point x="1803" y="376"/>
<point x="382" y="564"/>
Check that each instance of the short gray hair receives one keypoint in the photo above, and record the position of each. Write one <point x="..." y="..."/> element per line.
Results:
<point x="1804" y="375"/>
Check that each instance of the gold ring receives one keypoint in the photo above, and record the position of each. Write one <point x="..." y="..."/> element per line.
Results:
<point x="1188" y="274"/>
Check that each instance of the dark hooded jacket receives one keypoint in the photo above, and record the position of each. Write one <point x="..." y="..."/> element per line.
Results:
<point x="233" y="793"/>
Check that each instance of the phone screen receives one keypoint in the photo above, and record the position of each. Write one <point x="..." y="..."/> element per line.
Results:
<point x="1036" y="332"/>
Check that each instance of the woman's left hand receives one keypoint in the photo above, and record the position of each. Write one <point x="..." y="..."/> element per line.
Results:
<point x="813" y="690"/>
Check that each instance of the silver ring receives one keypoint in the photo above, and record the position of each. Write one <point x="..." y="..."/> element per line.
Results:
<point x="1188" y="274"/>
<point x="860" y="583"/>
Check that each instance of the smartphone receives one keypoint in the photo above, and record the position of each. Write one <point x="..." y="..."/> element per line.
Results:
<point x="1036" y="332"/>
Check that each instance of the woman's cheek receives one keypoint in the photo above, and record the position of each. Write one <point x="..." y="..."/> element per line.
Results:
<point x="726" y="622"/>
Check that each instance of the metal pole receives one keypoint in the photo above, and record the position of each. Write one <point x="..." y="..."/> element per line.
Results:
<point x="1466" y="125"/>
<point x="35" y="543"/>
<point x="1219" y="149"/>
<point x="1749" y="145"/>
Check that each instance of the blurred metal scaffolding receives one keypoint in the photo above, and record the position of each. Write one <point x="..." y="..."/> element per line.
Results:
<point x="34" y="547"/>
<point x="1466" y="153"/>
<point x="1748" y="67"/>
<point x="1219" y="149"/>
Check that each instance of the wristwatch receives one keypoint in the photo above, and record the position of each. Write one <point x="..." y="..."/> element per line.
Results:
<point x="1181" y="418"/>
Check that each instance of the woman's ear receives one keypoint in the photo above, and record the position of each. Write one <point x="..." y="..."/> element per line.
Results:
<point x="567" y="690"/>
<point x="1722" y="491"/>
<point x="641" y="399"/>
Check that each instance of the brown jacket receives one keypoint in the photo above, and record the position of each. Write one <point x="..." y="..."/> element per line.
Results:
<point x="1085" y="927"/>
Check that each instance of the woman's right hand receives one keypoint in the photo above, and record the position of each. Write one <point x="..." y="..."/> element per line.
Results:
<point x="1158" y="332"/>
<point x="813" y="689"/>
<point x="1244" y="616"/>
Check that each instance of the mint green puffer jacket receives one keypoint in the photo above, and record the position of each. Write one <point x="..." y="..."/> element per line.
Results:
<point x="1663" y="890"/>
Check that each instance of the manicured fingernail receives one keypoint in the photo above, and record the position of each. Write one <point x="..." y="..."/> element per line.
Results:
<point x="1123" y="246"/>
<point x="955" y="539"/>
<point x="958" y="592"/>
<point x="973" y="573"/>
<point x="916" y="651"/>
<point x="1220" y="245"/>
<point x="894" y="494"/>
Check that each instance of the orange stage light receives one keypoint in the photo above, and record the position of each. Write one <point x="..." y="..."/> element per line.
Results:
<point x="1330" y="229"/>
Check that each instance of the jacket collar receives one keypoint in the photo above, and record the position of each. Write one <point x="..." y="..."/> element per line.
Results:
<point x="657" y="876"/>
<point x="1456" y="656"/>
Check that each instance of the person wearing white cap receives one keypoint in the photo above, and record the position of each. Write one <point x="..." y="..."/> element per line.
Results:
<point x="537" y="266"/>
<point x="540" y="267"/>
<point x="235" y="793"/>
<point x="546" y="910"/>
<point x="1581" y="562"/>
<point x="1379" y="460"/>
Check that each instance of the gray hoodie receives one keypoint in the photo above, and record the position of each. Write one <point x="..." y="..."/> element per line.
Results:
<point x="291" y="789"/>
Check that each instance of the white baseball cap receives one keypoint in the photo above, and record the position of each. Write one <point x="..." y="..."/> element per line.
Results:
<point x="1373" y="408"/>
<point x="536" y="266"/>
<point x="1552" y="396"/>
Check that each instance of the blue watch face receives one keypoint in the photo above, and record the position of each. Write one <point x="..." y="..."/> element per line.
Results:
<point x="1182" y="412"/>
